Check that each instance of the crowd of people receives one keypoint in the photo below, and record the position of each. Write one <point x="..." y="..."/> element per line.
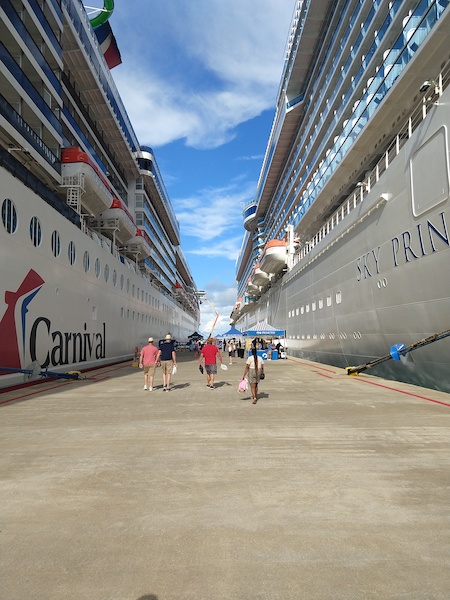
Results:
<point x="209" y="354"/>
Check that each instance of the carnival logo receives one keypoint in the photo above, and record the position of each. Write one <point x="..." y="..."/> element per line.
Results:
<point x="10" y="346"/>
<point x="50" y="348"/>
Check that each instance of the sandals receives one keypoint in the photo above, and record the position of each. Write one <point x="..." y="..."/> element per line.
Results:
<point x="255" y="400"/>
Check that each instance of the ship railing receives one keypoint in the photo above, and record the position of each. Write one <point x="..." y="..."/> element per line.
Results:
<point x="416" y="28"/>
<point x="364" y="187"/>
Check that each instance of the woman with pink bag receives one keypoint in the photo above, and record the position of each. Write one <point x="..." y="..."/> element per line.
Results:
<point x="254" y="367"/>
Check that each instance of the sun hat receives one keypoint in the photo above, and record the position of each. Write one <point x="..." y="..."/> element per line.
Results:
<point x="150" y="339"/>
<point x="168" y="336"/>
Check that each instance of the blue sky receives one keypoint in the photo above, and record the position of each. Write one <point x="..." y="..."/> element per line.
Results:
<point x="200" y="81"/>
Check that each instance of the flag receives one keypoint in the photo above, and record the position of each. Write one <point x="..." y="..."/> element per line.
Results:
<point x="108" y="45"/>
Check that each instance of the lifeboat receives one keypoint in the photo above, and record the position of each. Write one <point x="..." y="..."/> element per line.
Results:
<point x="119" y="212"/>
<point x="273" y="258"/>
<point x="184" y="297"/>
<point x="260" y="278"/>
<point x="252" y="288"/>
<point x="79" y="170"/>
<point x="140" y="243"/>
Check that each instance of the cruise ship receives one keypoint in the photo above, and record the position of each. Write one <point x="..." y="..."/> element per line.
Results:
<point x="91" y="261"/>
<point x="346" y="243"/>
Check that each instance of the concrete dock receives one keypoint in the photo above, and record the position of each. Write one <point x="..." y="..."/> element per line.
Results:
<point x="330" y="488"/>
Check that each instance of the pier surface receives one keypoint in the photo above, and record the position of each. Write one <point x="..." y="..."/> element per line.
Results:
<point x="330" y="488"/>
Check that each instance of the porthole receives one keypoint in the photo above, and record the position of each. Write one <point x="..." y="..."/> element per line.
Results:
<point x="121" y="282"/>
<point x="114" y="278"/>
<point x="35" y="232"/>
<point x="9" y="216"/>
<point x="128" y="285"/>
<point x="106" y="273"/>
<point x="97" y="267"/>
<point x="71" y="252"/>
<point x="86" y="261"/>
<point x="56" y="244"/>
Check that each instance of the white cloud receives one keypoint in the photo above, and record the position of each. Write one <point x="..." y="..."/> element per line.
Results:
<point x="196" y="70"/>
<point x="213" y="213"/>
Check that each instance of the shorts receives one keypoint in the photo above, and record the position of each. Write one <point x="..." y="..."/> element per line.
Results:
<point x="253" y="376"/>
<point x="167" y="366"/>
<point x="150" y="369"/>
<point x="211" y="369"/>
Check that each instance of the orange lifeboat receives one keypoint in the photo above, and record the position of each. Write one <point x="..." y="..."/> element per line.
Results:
<point x="273" y="259"/>
<point x="77" y="169"/>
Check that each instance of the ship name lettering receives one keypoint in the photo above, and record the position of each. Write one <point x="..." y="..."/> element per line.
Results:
<point x="368" y="264"/>
<point x="410" y="245"/>
<point x="68" y="347"/>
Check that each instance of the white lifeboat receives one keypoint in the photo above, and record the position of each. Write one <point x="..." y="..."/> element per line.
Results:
<point x="273" y="258"/>
<point x="184" y="297"/>
<point x="141" y="243"/>
<point x="119" y="213"/>
<point x="79" y="170"/>
<point x="260" y="278"/>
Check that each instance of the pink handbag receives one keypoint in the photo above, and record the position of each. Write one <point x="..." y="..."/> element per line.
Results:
<point x="243" y="385"/>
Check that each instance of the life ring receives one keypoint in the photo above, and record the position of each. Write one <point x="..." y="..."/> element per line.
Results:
<point x="104" y="14"/>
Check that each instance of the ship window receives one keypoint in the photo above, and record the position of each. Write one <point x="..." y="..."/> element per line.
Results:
<point x="296" y="311"/>
<point x="122" y="312"/>
<point x="71" y="253"/>
<point x="128" y="285"/>
<point x="320" y="303"/>
<point x="138" y="293"/>
<point x="86" y="261"/>
<point x="56" y="244"/>
<point x="106" y="273"/>
<point x="114" y="278"/>
<point x="47" y="97"/>
<point x="133" y="287"/>
<point x="128" y="313"/>
<point x="338" y="297"/>
<point x="302" y="310"/>
<point x="35" y="232"/>
<point x="121" y="282"/>
<point x="97" y="267"/>
<point x="307" y="308"/>
<point x="313" y="306"/>
<point x="9" y="216"/>
<point x="328" y="300"/>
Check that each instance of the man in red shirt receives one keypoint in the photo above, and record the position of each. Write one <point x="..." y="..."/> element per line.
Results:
<point x="210" y="352"/>
<point x="148" y="361"/>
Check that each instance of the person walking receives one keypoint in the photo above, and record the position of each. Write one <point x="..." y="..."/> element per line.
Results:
<point x="209" y="354"/>
<point x="148" y="360"/>
<point x="230" y="351"/>
<point x="254" y="367"/>
<point x="168" y="360"/>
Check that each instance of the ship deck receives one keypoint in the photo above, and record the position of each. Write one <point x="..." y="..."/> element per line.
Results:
<point x="330" y="487"/>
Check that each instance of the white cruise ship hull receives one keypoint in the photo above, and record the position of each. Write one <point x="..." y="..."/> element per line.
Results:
<point x="381" y="277"/>
<point x="55" y="313"/>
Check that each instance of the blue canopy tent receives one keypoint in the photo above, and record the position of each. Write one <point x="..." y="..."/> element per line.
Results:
<point x="264" y="329"/>
<point x="233" y="332"/>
